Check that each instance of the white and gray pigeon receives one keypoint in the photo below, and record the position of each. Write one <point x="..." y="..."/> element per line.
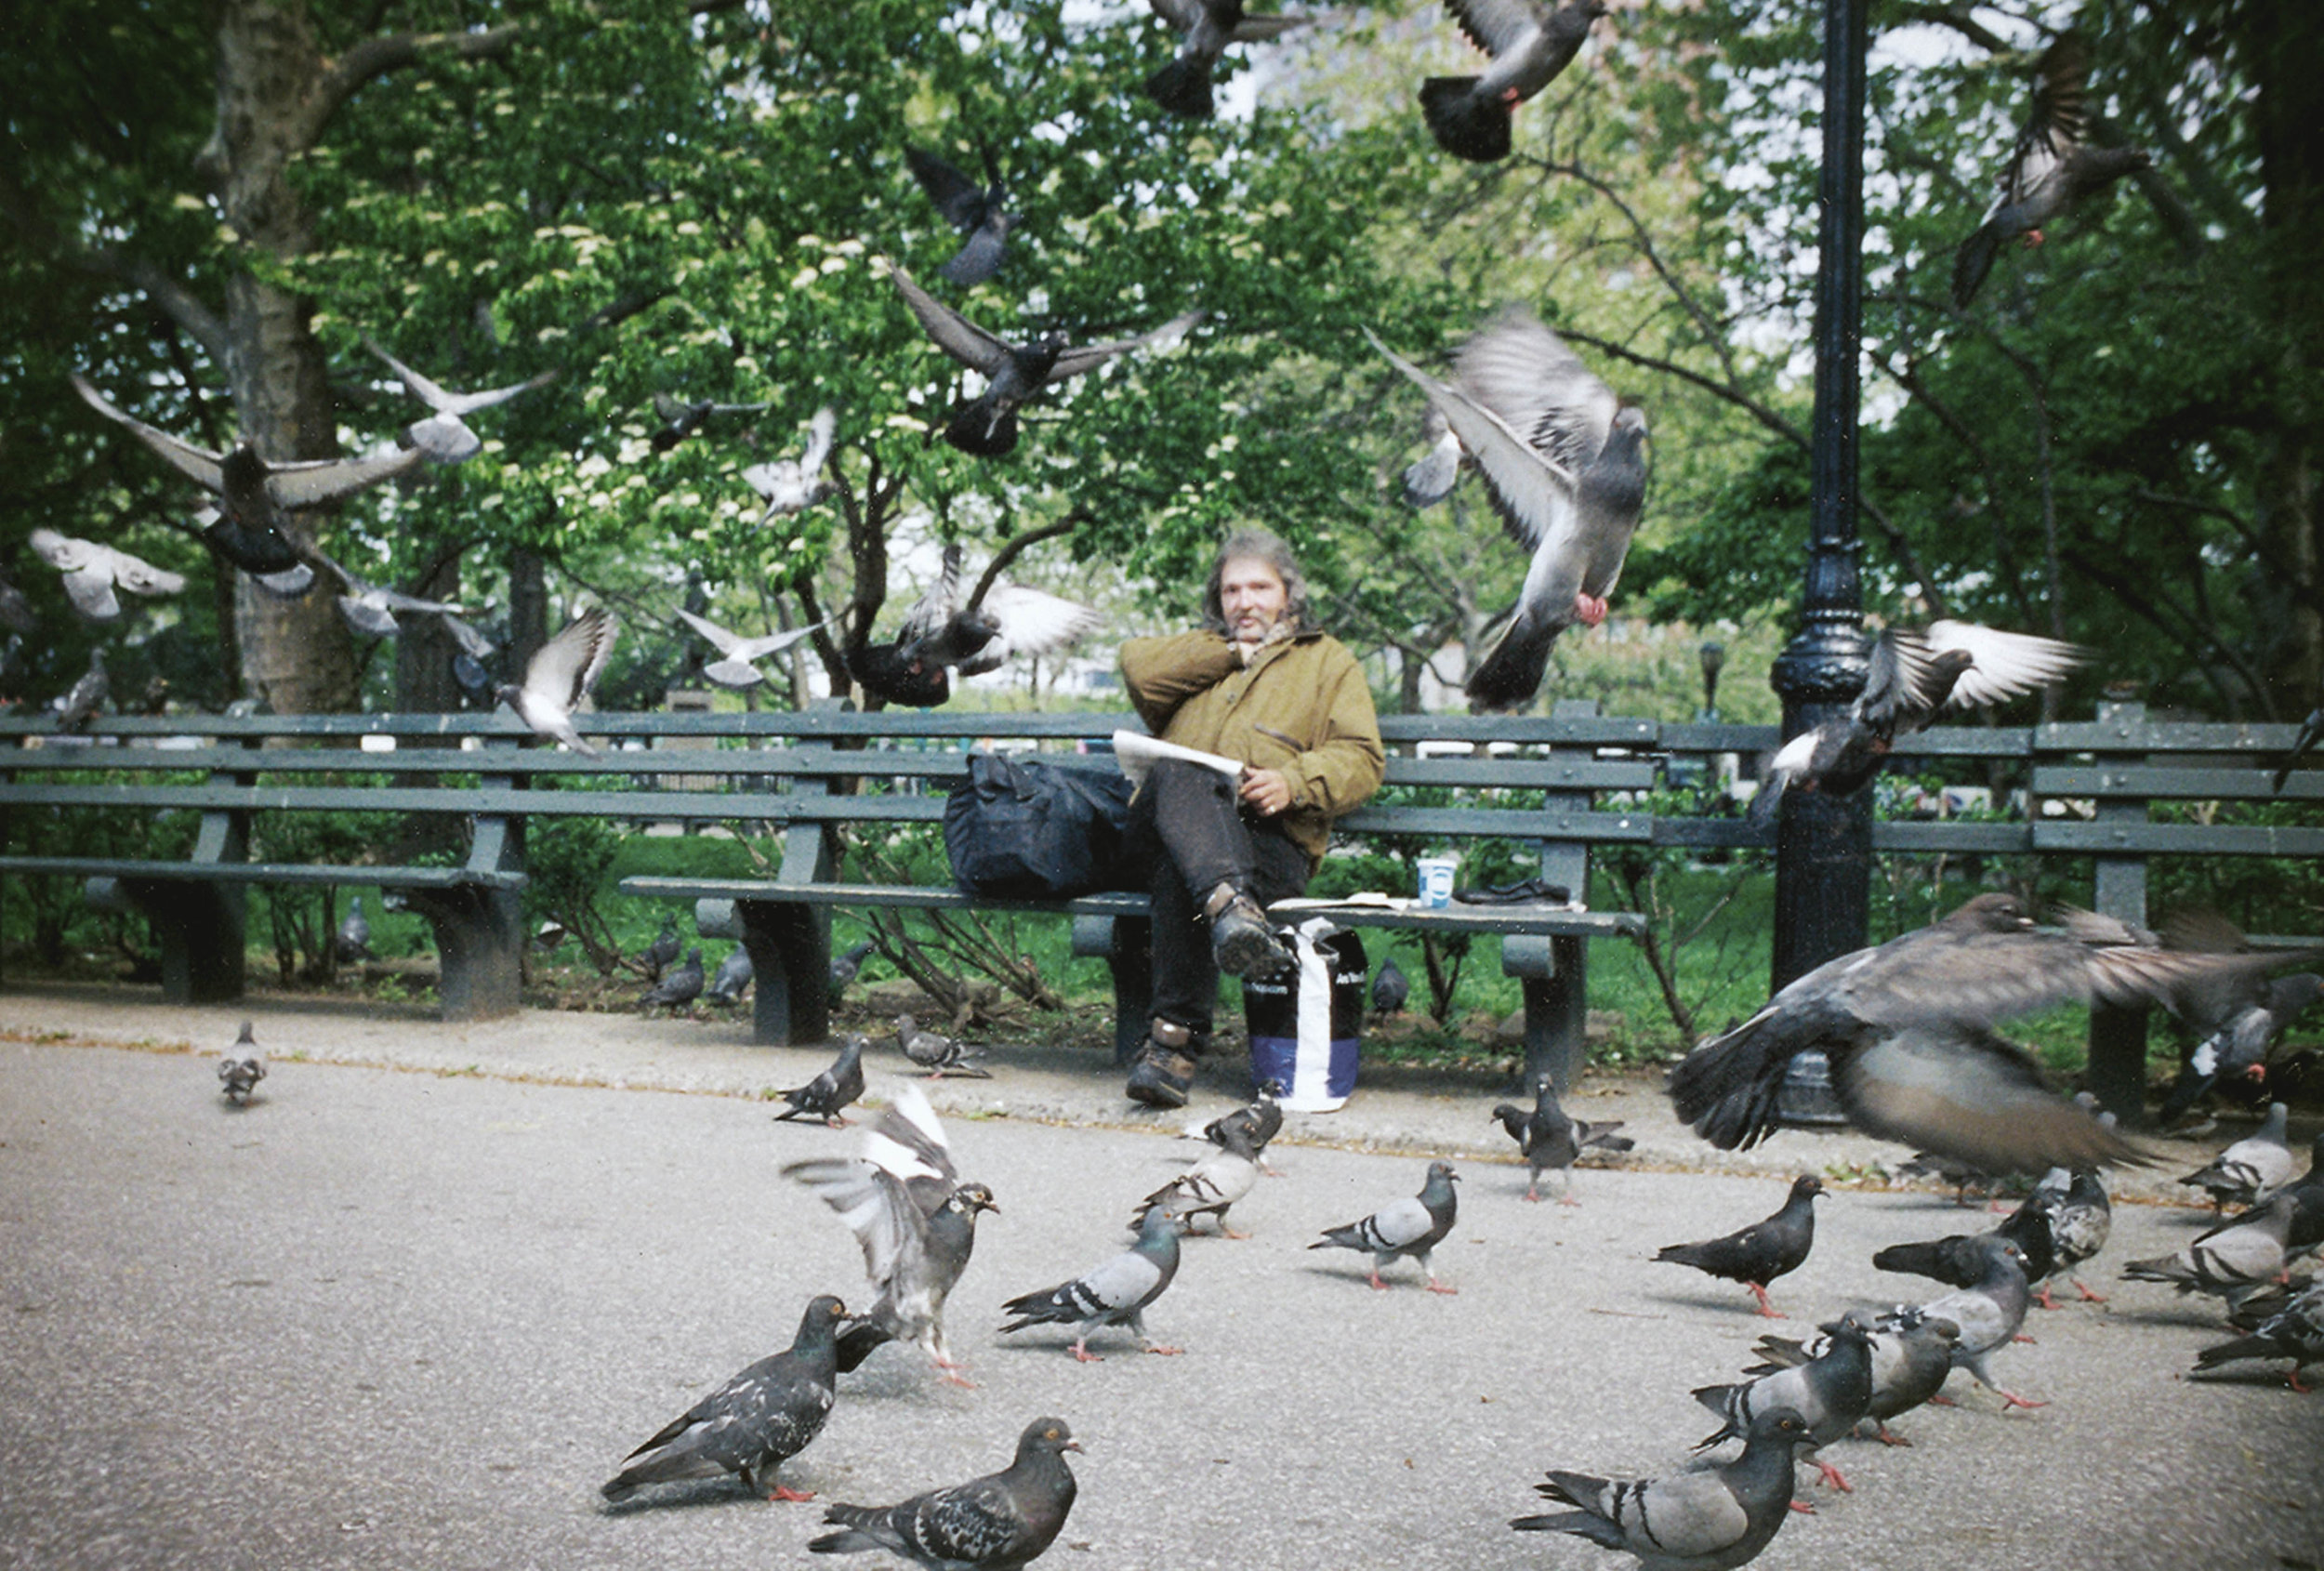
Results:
<point x="1709" y="1520"/>
<point x="1563" y="462"/>
<point x="792" y="486"/>
<point x="1259" y="1122"/>
<point x="85" y="698"/>
<point x="2231" y="1263"/>
<point x="2296" y="1332"/>
<point x="1832" y="1391"/>
<point x="1224" y="1174"/>
<point x="1430" y="479"/>
<point x="1206" y="28"/>
<point x="678" y="987"/>
<point x="737" y="665"/>
<point x="1011" y="619"/>
<point x="241" y="1068"/>
<point x="1912" y="1354"/>
<point x="1410" y="1228"/>
<point x="1001" y="1522"/>
<point x="352" y="941"/>
<point x="1530" y="42"/>
<point x="987" y="426"/>
<point x="92" y="571"/>
<point x="939" y="1054"/>
<point x="444" y="435"/>
<point x="2080" y="1224"/>
<point x="828" y="1094"/>
<point x="752" y="1425"/>
<point x="371" y="608"/>
<point x="2239" y="1045"/>
<point x="2050" y="167"/>
<point x="1551" y="1142"/>
<point x="1988" y="1314"/>
<point x="1913" y="675"/>
<point x="733" y="979"/>
<point x="904" y="1200"/>
<point x="1115" y="1293"/>
<point x="563" y="673"/>
<point x="981" y="214"/>
<point x="2250" y="1170"/>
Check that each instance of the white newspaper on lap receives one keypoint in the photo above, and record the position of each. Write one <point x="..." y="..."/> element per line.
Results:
<point x="1138" y="752"/>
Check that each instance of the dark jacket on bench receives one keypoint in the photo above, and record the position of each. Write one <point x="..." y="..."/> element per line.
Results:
<point x="1190" y="689"/>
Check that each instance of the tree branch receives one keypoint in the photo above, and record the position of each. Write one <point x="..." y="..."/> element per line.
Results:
<point x="375" y="57"/>
<point x="1955" y="14"/>
<point x="1014" y="547"/>
<point x="170" y="298"/>
<point x="1729" y="393"/>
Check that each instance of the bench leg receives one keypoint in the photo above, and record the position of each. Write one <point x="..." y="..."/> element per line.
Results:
<point x="790" y="963"/>
<point x="200" y="929"/>
<point x="480" y="950"/>
<point x="1126" y="945"/>
<point x="1555" y="975"/>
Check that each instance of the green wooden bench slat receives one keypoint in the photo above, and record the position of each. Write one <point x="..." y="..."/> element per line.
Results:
<point x="131" y="870"/>
<point x="1730" y="834"/>
<point x="1954" y="839"/>
<point x="707" y="805"/>
<point x="2136" y="780"/>
<point x="1516" y="824"/>
<point x="2151" y="736"/>
<point x="2178" y="840"/>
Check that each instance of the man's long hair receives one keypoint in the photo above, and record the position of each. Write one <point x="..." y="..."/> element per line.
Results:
<point x="1261" y="546"/>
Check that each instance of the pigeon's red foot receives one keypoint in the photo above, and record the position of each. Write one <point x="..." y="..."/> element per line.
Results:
<point x="1377" y="1286"/>
<point x="1804" y="1508"/>
<point x="1590" y="609"/>
<point x="1534" y="1196"/>
<point x="2041" y="1298"/>
<point x="2010" y="1399"/>
<point x="1834" y="1477"/>
<point x="2021" y="1336"/>
<point x="2088" y="1297"/>
<point x="1226" y="1232"/>
<point x="1511" y="96"/>
<point x="1887" y="1437"/>
<point x="2293" y="1380"/>
<point x="836" y="1122"/>
<point x="797" y="1497"/>
<point x="2033" y="238"/>
<point x="1435" y="1286"/>
<point x="1163" y="1350"/>
<point x="1567" y="1201"/>
<point x="1765" y="1308"/>
<point x="1943" y="1402"/>
<point x="1083" y="1355"/>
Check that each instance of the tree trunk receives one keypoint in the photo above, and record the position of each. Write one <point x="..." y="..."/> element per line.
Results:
<point x="528" y="609"/>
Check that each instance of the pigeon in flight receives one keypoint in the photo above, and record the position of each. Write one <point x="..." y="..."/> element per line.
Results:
<point x="733" y="979"/>
<point x="1564" y="461"/>
<point x="1759" y="1253"/>
<point x="982" y="215"/>
<point x="2250" y="1170"/>
<point x="752" y="1424"/>
<point x="987" y="426"/>
<point x="1183" y="85"/>
<point x="444" y="435"/>
<point x="1704" y="1521"/>
<point x="682" y="419"/>
<point x="2239" y="1045"/>
<point x="352" y="941"/>
<point x="832" y="1090"/>
<point x="1010" y="620"/>
<point x="92" y="571"/>
<point x="938" y="1053"/>
<point x="1227" y="1173"/>
<point x="562" y="672"/>
<point x="1909" y="1029"/>
<point x="679" y="987"/>
<point x="1832" y="1390"/>
<point x="1432" y="478"/>
<point x="1911" y="677"/>
<point x="792" y="486"/>
<point x="241" y="1067"/>
<point x="371" y="608"/>
<point x="1529" y="43"/>
<point x="2311" y="732"/>
<point x="80" y="704"/>
<point x="737" y="665"/>
<point x="2296" y="1332"/>
<point x="2051" y="169"/>
<point x="1551" y="1142"/>
<point x="1412" y="1227"/>
<point x="1001" y="1522"/>
<point x="905" y="1202"/>
<point x="1115" y="1293"/>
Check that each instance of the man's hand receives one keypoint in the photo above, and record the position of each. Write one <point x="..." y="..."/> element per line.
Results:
<point x="1269" y="790"/>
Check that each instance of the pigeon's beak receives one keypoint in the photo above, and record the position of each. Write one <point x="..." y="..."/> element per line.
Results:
<point x="1073" y="1446"/>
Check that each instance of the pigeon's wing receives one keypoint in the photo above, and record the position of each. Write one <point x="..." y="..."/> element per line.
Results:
<point x="1259" y="30"/>
<point x="1183" y="15"/>
<point x="427" y="392"/>
<point x="475" y="645"/>
<point x="1534" y="498"/>
<point x="873" y="1203"/>
<point x="1087" y="357"/>
<point x="1686" y="1516"/>
<point x="956" y="196"/>
<point x="1970" y="982"/>
<point x="1431" y="479"/>
<point x="67" y="553"/>
<point x="973" y="1524"/>
<point x="951" y="332"/>
<point x="821" y="431"/>
<point x="1971" y="1095"/>
<point x="1523" y="373"/>
<point x="205" y="469"/>
<point x="1896" y="677"/>
<point x="1121" y="1283"/>
<point x="2053" y="123"/>
<point x="932" y="610"/>
<point x="726" y="643"/>
<point x="332" y="480"/>
<point x="1032" y="621"/>
<point x="1495" y="25"/>
<point x="2002" y="665"/>
<point x="910" y="1143"/>
<point x="775" y="643"/>
<point x="567" y="667"/>
<point x="1402" y="1222"/>
<point x="469" y="403"/>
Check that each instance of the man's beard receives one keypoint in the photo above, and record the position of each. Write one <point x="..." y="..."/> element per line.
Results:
<point x="1255" y="626"/>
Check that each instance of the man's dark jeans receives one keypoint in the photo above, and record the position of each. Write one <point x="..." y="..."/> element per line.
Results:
<point x="1189" y="832"/>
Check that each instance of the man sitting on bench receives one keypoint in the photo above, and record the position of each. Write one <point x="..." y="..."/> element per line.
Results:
<point x="1260" y="683"/>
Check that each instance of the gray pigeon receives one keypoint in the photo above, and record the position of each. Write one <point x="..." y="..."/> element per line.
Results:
<point x="793" y="485"/>
<point x="997" y="1523"/>
<point x="1010" y="620"/>
<point x="1412" y="1227"/>
<point x="737" y="665"/>
<point x="2051" y="169"/>
<point x="733" y="980"/>
<point x="987" y="424"/>
<point x="660" y="954"/>
<point x="2250" y="1170"/>
<point x="832" y="1090"/>
<point x="2311" y="732"/>
<point x="1908" y="1030"/>
<point x="444" y="435"/>
<point x="844" y="966"/>
<point x="241" y="1067"/>
<point x="2296" y="1332"/>
<point x="2239" y="1045"/>
<point x="1183" y="85"/>
<point x="1529" y="44"/>
<point x="1912" y="1353"/>
<point x="1551" y="1142"/>
<point x="371" y="608"/>
<point x="981" y="214"/>
<point x="1564" y="461"/>
<point x="1705" y="1520"/>
<point x="679" y="987"/>
<point x="1988" y="1314"/>
<point x="563" y="673"/>
<point x="92" y="571"/>
<point x="1116" y="1293"/>
<point x="2232" y="1264"/>
<point x="1757" y="1254"/>
<point x="1913" y="675"/>
<point x="937" y="1053"/>
<point x="1227" y="1173"/>
<point x="2080" y="1224"/>
<point x="86" y="697"/>
<point x="1259" y="1123"/>
<point x="906" y="1204"/>
<point x="1832" y="1391"/>
<point x="681" y="417"/>
<point x="352" y="941"/>
<point x="1390" y="988"/>
<point x="1431" y="478"/>
<point x="752" y="1424"/>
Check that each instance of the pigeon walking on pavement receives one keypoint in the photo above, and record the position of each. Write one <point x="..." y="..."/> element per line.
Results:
<point x="1988" y="1313"/>
<point x="2253" y="1168"/>
<point x="752" y="1425"/>
<point x="2296" y="1332"/>
<point x="981" y="214"/>
<point x="1002" y="1521"/>
<point x="2232" y="1262"/>
<point x="825" y="1096"/>
<point x="1409" y="1228"/>
<point x="2080" y="1224"/>
<point x="241" y="1067"/>
<point x="1227" y="1173"/>
<point x="1832" y="1391"/>
<point x="444" y="435"/>
<point x="1704" y="1521"/>
<point x="679" y="987"/>
<point x="939" y="1054"/>
<point x="1390" y="989"/>
<point x="86" y="699"/>
<point x="1912" y="1354"/>
<point x="1959" y="1260"/>
<point x="1183" y="86"/>
<point x="732" y="978"/>
<point x="92" y="571"/>
<point x="352" y="941"/>
<point x="791" y="485"/>
<point x="1530" y="43"/>
<point x="904" y="1200"/>
<point x="1759" y="1253"/>
<point x="1258" y="1122"/>
<point x="1551" y="1142"/>
<point x="563" y="673"/>
<point x="1115" y="1293"/>
<point x="1563" y="460"/>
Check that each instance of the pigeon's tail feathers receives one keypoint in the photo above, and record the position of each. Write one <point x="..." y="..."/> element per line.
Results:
<point x="975" y="430"/>
<point x="1431" y="479"/>
<point x="1719" y="1399"/>
<point x="2162" y="1268"/>
<point x="2242" y="1347"/>
<point x="1767" y="803"/>
<point x="1972" y="263"/>
<point x="977" y="260"/>
<point x="1466" y="122"/>
<point x="1183" y="88"/>
<point x="1512" y="672"/>
<point x="1582" y="1523"/>
<point x="849" y="1541"/>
